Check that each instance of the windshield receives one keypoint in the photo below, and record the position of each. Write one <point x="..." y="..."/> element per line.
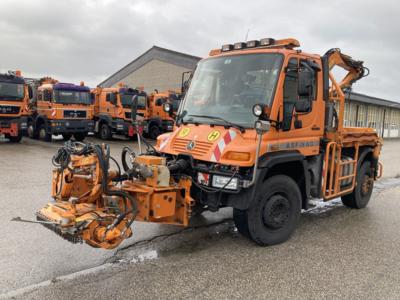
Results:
<point x="126" y="101"/>
<point x="11" y="91"/>
<point x="229" y="86"/>
<point x="71" y="97"/>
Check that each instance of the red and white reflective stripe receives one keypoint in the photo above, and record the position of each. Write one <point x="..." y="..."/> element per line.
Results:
<point x="203" y="178"/>
<point x="53" y="113"/>
<point x="219" y="149"/>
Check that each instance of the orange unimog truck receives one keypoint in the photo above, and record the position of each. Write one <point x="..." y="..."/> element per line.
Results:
<point x="60" y="108"/>
<point x="157" y="120"/>
<point x="258" y="131"/>
<point x="14" y="100"/>
<point x="112" y="111"/>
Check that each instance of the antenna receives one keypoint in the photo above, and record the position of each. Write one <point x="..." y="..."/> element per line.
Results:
<point x="247" y="35"/>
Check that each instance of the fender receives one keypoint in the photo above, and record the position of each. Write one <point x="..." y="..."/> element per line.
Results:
<point x="266" y="163"/>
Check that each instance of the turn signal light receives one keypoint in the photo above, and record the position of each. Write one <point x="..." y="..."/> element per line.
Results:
<point x="239" y="156"/>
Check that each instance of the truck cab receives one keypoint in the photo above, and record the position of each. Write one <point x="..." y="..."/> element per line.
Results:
<point x="112" y="111"/>
<point x="60" y="109"/>
<point x="157" y="120"/>
<point x="14" y="99"/>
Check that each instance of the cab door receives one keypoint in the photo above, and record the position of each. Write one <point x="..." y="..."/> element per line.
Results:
<point x="44" y="104"/>
<point x="302" y="118"/>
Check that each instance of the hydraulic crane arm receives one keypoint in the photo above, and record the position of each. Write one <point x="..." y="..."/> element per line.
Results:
<point x="355" y="71"/>
<point x="355" y="68"/>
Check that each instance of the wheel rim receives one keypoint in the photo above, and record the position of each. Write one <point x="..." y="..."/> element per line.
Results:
<point x="30" y="130"/>
<point x="104" y="133"/>
<point x="276" y="212"/>
<point x="42" y="133"/>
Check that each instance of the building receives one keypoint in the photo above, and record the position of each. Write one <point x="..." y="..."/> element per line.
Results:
<point x="158" y="68"/>
<point x="366" y="111"/>
<point x="161" y="69"/>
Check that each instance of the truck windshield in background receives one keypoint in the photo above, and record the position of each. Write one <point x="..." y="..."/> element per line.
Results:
<point x="11" y="91"/>
<point x="72" y="97"/>
<point x="126" y="101"/>
<point x="231" y="85"/>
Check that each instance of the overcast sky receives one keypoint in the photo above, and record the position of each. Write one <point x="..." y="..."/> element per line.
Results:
<point x="88" y="40"/>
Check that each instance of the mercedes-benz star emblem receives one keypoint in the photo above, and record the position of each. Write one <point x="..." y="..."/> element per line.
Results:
<point x="190" y="145"/>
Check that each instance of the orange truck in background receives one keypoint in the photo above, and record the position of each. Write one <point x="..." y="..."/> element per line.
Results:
<point x="158" y="121"/>
<point x="14" y="99"/>
<point x="60" y="108"/>
<point x="112" y="111"/>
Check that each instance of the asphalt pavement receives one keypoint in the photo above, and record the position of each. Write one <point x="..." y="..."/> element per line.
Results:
<point x="336" y="251"/>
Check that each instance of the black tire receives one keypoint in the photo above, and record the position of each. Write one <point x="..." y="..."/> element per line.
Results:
<point x="105" y="132"/>
<point x="15" y="139"/>
<point x="80" y="136"/>
<point x="154" y="131"/>
<point x="32" y="132"/>
<point x="66" y="136"/>
<point x="273" y="215"/>
<point x="43" y="134"/>
<point x="361" y="194"/>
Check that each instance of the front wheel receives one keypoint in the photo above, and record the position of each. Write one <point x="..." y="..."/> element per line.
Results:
<point x="273" y="215"/>
<point x="32" y="133"/>
<point x="66" y="136"/>
<point x="80" y="136"/>
<point x="154" y="132"/>
<point x="43" y="134"/>
<point x="105" y="132"/>
<point x="15" y="139"/>
<point x="361" y="194"/>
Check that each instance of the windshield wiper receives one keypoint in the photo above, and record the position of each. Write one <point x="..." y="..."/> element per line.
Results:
<point x="228" y="123"/>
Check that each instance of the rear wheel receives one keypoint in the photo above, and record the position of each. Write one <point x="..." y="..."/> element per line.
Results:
<point x="80" y="136"/>
<point x="361" y="194"/>
<point x="43" y="134"/>
<point x="66" y="136"/>
<point x="15" y="139"/>
<point x="154" y="131"/>
<point x="273" y="215"/>
<point x="105" y="132"/>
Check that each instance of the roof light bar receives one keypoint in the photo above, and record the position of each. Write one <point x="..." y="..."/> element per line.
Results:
<point x="240" y="45"/>
<point x="267" y="42"/>
<point x="252" y="44"/>
<point x="227" y="47"/>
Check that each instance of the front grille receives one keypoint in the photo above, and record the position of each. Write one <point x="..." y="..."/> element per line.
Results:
<point x="200" y="148"/>
<point x="9" y="109"/>
<point x="74" y="113"/>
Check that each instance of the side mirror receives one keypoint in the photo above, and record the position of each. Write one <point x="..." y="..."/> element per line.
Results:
<point x="30" y="92"/>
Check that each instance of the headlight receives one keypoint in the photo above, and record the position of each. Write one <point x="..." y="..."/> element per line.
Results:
<point x="120" y="126"/>
<point x="167" y="107"/>
<point x="221" y="181"/>
<point x="258" y="110"/>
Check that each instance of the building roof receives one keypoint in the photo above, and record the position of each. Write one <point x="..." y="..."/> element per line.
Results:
<point x="372" y="100"/>
<point x="155" y="52"/>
